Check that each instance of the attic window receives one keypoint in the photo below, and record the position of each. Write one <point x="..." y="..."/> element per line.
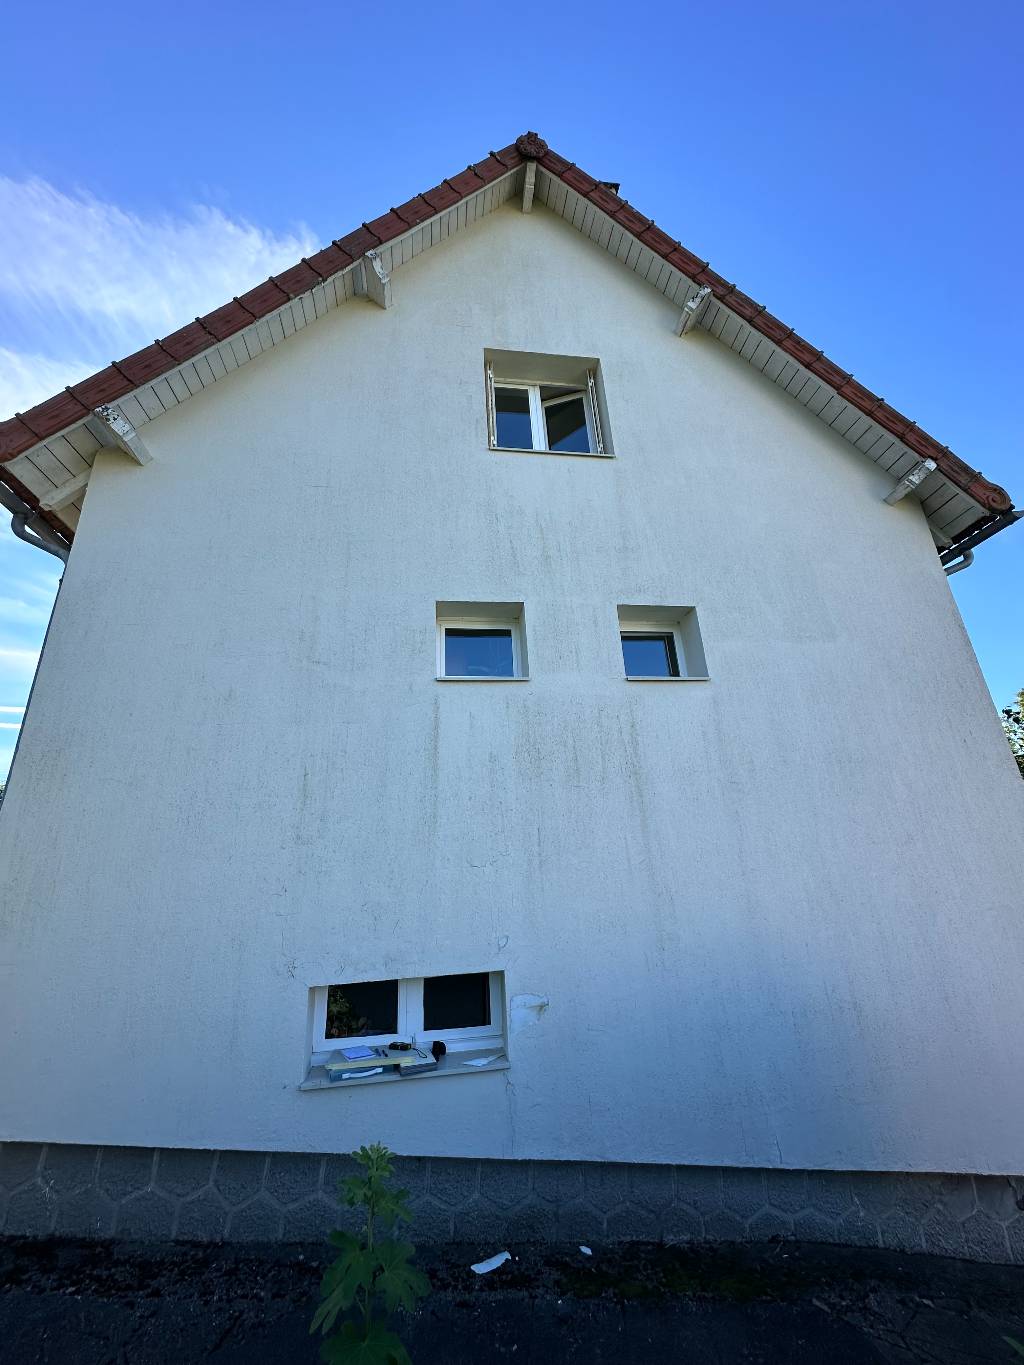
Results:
<point x="550" y="404"/>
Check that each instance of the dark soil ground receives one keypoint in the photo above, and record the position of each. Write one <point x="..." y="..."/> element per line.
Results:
<point x="94" y="1303"/>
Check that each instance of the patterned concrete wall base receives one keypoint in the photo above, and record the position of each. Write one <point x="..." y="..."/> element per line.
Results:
<point x="163" y="1194"/>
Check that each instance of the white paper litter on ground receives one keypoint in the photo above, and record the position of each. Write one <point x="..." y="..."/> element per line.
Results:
<point x="586" y="1251"/>
<point x="482" y="1061"/>
<point x="492" y="1263"/>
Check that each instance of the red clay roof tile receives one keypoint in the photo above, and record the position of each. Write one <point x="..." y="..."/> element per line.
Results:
<point x="830" y="372"/>
<point x="605" y="199"/>
<point x="490" y="169"/>
<point x="773" y="328"/>
<point x="442" y="197"/>
<point x="106" y="386"/>
<point x="579" y="180"/>
<point x="187" y="341"/>
<point x="466" y="182"/>
<point x="415" y="210"/>
<point x="657" y="240"/>
<point x="144" y="365"/>
<point x="230" y="318"/>
<point x="632" y="221"/>
<point x="56" y="413"/>
<point x="328" y="261"/>
<point x="551" y="161"/>
<point x="510" y="156"/>
<point x="359" y="242"/>
<point x="264" y="298"/>
<point x="387" y="226"/>
<point x="298" y="279"/>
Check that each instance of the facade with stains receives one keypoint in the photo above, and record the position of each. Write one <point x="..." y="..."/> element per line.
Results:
<point x="504" y="636"/>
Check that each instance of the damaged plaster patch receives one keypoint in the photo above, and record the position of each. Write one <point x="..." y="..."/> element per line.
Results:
<point x="525" y="1009"/>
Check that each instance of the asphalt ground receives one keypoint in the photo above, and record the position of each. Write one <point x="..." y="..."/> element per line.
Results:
<point x="96" y="1303"/>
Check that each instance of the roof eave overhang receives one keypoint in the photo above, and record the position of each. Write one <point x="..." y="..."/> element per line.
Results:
<point x="957" y="500"/>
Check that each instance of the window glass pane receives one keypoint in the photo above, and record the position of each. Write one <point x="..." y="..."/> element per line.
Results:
<point x="361" y="1008"/>
<point x="566" y="421"/>
<point x="456" y="1001"/>
<point x="512" y="418"/>
<point x="650" y="656"/>
<point x="478" y="653"/>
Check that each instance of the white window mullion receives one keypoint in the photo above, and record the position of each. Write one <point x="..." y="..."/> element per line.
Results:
<point x="596" y="435"/>
<point x="537" y="424"/>
<point x="492" y="419"/>
<point x="410" y="1007"/>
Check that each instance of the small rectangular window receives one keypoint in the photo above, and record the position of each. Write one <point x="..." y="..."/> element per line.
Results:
<point x="481" y="641"/>
<point x="544" y="403"/>
<point x="465" y="1011"/>
<point x="649" y="656"/>
<point x="661" y="643"/>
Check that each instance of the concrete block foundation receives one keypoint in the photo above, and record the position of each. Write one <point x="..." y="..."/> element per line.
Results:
<point x="156" y="1194"/>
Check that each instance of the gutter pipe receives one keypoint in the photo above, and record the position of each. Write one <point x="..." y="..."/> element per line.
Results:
<point x="30" y="527"/>
<point x="964" y="562"/>
<point x="951" y="558"/>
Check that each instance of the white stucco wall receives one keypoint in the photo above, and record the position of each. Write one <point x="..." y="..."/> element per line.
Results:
<point x="777" y="915"/>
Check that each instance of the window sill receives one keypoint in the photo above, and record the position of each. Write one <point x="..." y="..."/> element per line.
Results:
<point x="455" y="677"/>
<point x="451" y="1064"/>
<point x="639" y="678"/>
<point x="578" y="454"/>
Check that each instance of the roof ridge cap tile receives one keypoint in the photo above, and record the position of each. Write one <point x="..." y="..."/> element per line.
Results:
<point x="527" y="147"/>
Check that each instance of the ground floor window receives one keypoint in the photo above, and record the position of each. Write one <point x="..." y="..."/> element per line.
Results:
<point x="461" y="1010"/>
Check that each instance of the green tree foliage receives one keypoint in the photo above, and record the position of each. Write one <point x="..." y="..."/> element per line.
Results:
<point x="372" y="1271"/>
<point x="1013" y="728"/>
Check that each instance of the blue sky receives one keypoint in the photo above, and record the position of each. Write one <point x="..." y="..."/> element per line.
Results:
<point x="857" y="170"/>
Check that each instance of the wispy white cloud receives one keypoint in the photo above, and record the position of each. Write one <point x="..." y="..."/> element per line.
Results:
<point x="27" y="377"/>
<point x="83" y="280"/>
<point x="18" y="664"/>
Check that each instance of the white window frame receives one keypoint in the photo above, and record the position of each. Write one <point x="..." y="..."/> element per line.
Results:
<point x="538" y="425"/>
<point x="410" y="1022"/>
<point x="514" y="625"/>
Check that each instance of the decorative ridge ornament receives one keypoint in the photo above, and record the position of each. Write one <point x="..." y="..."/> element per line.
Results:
<point x="531" y="145"/>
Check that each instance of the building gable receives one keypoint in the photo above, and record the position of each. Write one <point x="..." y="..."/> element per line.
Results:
<point x="47" y="453"/>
